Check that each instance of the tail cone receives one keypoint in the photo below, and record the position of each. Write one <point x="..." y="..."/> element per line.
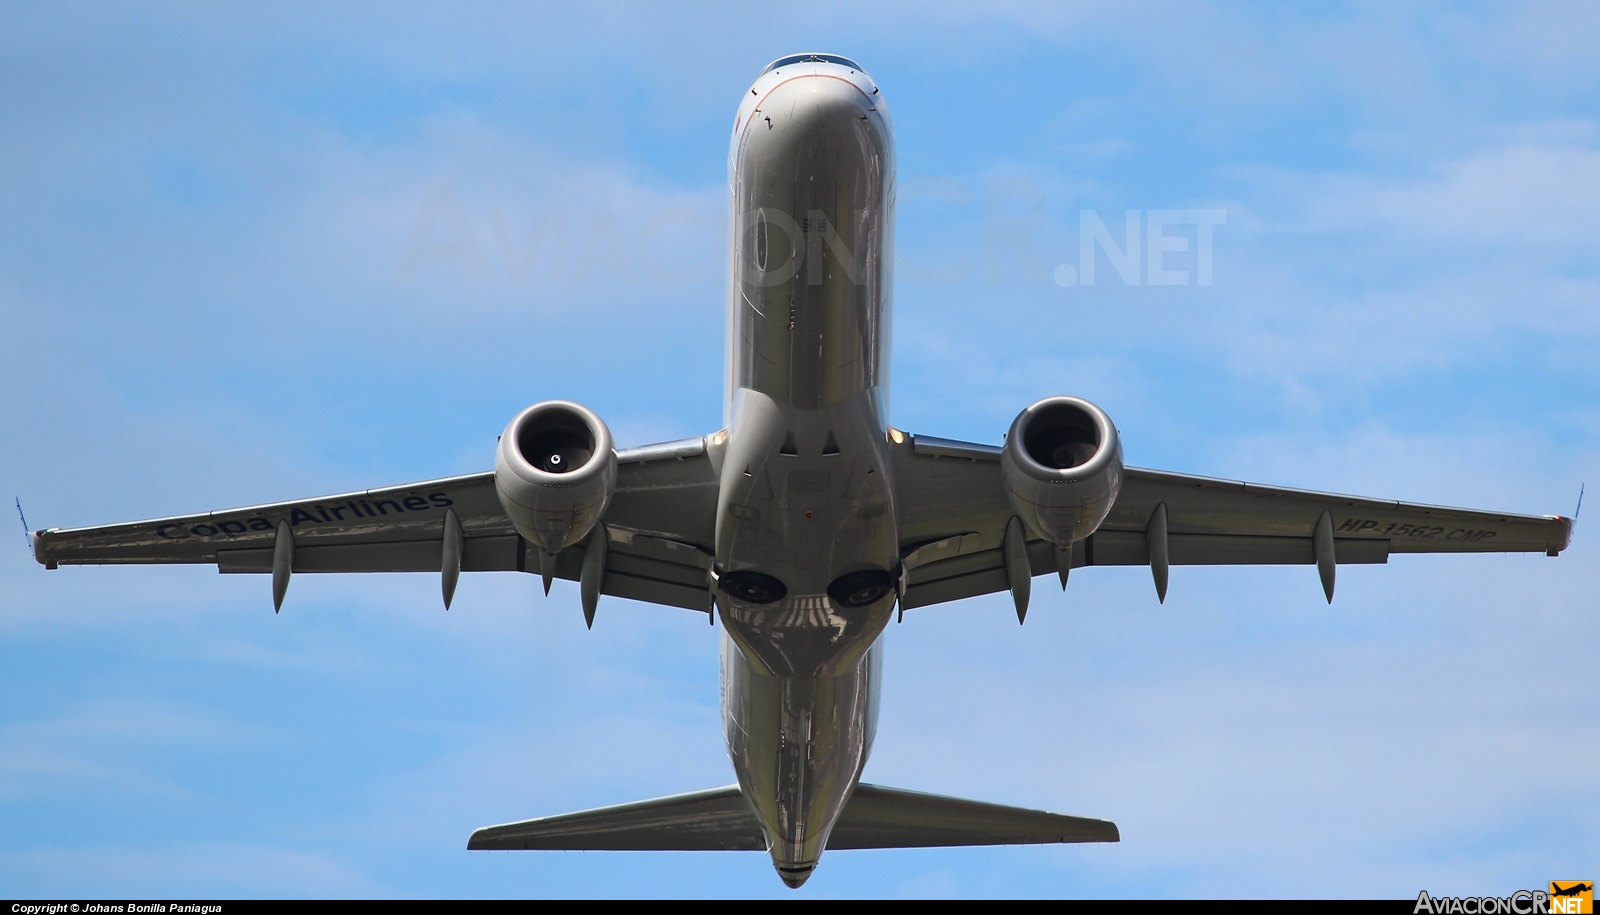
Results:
<point x="795" y="877"/>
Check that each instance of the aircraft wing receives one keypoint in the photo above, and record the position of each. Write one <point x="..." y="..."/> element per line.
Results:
<point x="953" y="512"/>
<point x="660" y="523"/>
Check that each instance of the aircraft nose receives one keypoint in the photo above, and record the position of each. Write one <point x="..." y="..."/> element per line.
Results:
<point x="811" y="104"/>
<point x="810" y="100"/>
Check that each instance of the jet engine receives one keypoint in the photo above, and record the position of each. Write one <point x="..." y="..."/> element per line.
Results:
<point x="554" y="472"/>
<point x="1062" y="468"/>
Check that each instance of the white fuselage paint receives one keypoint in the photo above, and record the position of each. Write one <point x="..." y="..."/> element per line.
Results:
<point x="805" y="494"/>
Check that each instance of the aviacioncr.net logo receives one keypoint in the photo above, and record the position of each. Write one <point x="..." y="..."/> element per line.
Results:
<point x="1566" y="897"/>
<point x="1572" y="897"/>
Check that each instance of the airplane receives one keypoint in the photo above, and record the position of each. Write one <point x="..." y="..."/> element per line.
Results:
<point x="808" y="522"/>
<point x="1577" y="889"/>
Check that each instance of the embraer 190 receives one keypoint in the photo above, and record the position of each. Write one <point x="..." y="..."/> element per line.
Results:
<point x="808" y="521"/>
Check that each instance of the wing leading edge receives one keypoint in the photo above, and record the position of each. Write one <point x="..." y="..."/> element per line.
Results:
<point x="660" y="526"/>
<point x="954" y="510"/>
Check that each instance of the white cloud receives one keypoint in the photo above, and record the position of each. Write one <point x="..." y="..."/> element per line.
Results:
<point x="1522" y="195"/>
<point x="107" y="742"/>
<point x="185" y="870"/>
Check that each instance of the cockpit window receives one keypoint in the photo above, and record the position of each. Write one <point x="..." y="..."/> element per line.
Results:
<point x="810" y="59"/>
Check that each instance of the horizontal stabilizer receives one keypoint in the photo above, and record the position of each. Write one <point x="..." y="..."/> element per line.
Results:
<point x="891" y="818"/>
<point x="719" y="819"/>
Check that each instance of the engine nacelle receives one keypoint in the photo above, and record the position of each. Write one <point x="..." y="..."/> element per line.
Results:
<point x="1062" y="468"/>
<point x="554" y="472"/>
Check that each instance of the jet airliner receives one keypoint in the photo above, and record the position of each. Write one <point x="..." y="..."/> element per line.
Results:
<point x="808" y="522"/>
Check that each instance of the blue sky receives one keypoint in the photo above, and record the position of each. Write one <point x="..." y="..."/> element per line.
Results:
<point x="204" y="303"/>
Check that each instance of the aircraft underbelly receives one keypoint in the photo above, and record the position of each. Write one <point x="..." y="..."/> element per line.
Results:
<point x="810" y="274"/>
<point x="798" y="745"/>
<point x="805" y="505"/>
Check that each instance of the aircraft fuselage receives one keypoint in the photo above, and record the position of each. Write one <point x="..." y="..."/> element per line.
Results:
<point x="806" y="544"/>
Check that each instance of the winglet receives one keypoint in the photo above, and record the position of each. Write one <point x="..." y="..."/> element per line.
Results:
<point x="36" y="543"/>
<point x="1554" y="547"/>
<point x="41" y="553"/>
<point x="1574" y="511"/>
